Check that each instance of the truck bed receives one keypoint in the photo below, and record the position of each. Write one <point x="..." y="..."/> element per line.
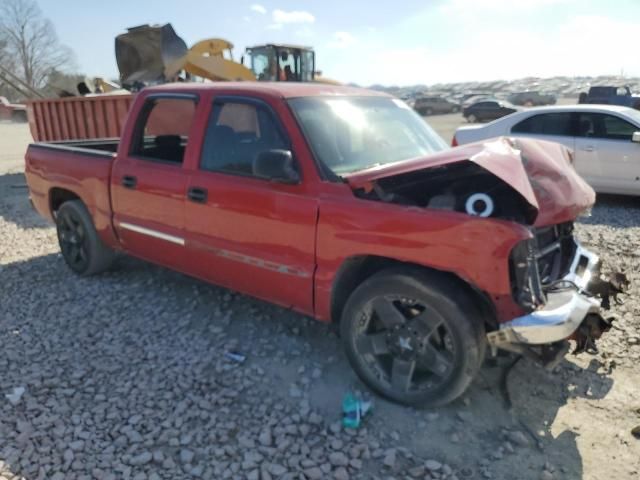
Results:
<point x="60" y="171"/>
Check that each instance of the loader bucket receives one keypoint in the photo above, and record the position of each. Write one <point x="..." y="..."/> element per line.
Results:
<point x="144" y="52"/>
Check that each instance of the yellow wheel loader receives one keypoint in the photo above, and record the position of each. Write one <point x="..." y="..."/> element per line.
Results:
<point x="156" y="54"/>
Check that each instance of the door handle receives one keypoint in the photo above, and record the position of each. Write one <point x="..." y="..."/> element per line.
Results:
<point x="197" y="194"/>
<point x="589" y="148"/>
<point x="129" y="181"/>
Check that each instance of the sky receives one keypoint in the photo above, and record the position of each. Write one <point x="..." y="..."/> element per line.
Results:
<point x="401" y="42"/>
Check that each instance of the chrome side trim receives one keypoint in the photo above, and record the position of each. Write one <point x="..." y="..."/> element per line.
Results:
<point x="152" y="233"/>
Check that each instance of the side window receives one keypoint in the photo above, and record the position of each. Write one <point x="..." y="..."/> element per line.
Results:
<point x="236" y="134"/>
<point x="163" y="129"/>
<point x="609" y="127"/>
<point x="545" y="124"/>
<point x="617" y="129"/>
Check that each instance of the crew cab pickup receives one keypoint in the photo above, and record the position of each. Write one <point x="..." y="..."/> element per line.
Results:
<point x="344" y="205"/>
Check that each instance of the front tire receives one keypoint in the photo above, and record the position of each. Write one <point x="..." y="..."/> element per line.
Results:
<point x="81" y="247"/>
<point x="414" y="337"/>
<point x="472" y="118"/>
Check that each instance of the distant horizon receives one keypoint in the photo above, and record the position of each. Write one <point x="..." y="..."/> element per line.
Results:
<point x="404" y="43"/>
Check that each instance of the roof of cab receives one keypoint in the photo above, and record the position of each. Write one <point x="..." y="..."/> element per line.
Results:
<point x="276" y="89"/>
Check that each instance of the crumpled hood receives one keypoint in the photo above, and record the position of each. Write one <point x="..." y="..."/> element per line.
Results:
<point x="540" y="171"/>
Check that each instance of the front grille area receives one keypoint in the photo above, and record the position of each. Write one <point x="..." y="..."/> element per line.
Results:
<point x="555" y="251"/>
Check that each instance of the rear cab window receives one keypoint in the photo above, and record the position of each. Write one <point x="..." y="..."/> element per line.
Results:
<point x="162" y="131"/>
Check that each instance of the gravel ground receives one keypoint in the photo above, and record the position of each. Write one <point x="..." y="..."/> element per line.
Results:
<point x="124" y="376"/>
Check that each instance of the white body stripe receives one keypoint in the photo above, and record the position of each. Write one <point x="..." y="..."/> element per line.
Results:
<point x="152" y="233"/>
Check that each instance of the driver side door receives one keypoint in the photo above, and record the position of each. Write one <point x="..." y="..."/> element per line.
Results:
<point x="252" y="234"/>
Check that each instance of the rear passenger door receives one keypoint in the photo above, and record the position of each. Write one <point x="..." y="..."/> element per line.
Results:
<point x="553" y="127"/>
<point x="605" y="154"/>
<point x="248" y="233"/>
<point x="149" y="183"/>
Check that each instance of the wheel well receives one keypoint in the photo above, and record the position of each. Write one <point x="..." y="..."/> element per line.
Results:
<point x="57" y="196"/>
<point x="356" y="270"/>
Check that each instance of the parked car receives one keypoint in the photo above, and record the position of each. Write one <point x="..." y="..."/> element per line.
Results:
<point x="532" y="98"/>
<point x="473" y="99"/>
<point x="487" y="109"/>
<point x="342" y="204"/>
<point x="605" y="140"/>
<point x="465" y="97"/>
<point x="611" y="95"/>
<point x="15" y="112"/>
<point x="431" y="105"/>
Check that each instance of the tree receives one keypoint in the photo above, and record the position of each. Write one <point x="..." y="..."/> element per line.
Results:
<point x="31" y="42"/>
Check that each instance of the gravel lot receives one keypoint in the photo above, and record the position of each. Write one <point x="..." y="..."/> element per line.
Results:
<point x="124" y="376"/>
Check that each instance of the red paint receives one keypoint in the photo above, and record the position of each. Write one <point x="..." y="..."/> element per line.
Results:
<point x="286" y="243"/>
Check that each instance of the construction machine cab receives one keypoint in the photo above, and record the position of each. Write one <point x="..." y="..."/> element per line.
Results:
<point x="281" y="63"/>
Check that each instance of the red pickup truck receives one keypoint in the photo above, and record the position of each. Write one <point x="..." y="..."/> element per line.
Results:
<point x="342" y="204"/>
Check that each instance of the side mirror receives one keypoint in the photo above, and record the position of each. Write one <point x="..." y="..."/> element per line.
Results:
<point x="635" y="137"/>
<point x="276" y="165"/>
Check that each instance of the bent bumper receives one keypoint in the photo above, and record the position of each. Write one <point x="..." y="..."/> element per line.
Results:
<point x="563" y="312"/>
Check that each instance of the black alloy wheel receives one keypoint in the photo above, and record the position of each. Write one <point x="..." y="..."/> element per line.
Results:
<point x="73" y="240"/>
<point x="415" y="338"/>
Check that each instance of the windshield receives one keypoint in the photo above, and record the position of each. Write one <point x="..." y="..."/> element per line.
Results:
<point x="263" y="63"/>
<point x="348" y="134"/>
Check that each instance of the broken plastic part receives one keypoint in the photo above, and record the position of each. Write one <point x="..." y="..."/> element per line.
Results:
<point x="235" y="356"/>
<point x="353" y="410"/>
<point x="15" y="396"/>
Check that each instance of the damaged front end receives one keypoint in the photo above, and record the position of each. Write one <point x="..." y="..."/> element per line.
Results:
<point x="555" y="281"/>
<point x="560" y="284"/>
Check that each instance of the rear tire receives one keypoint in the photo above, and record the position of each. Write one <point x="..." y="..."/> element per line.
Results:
<point x="81" y="247"/>
<point x="472" y="118"/>
<point x="414" y="337"/>
<point x="455" y="109"/>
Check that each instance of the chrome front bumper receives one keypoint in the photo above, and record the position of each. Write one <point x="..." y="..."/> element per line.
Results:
<point x="563" y="312"/>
